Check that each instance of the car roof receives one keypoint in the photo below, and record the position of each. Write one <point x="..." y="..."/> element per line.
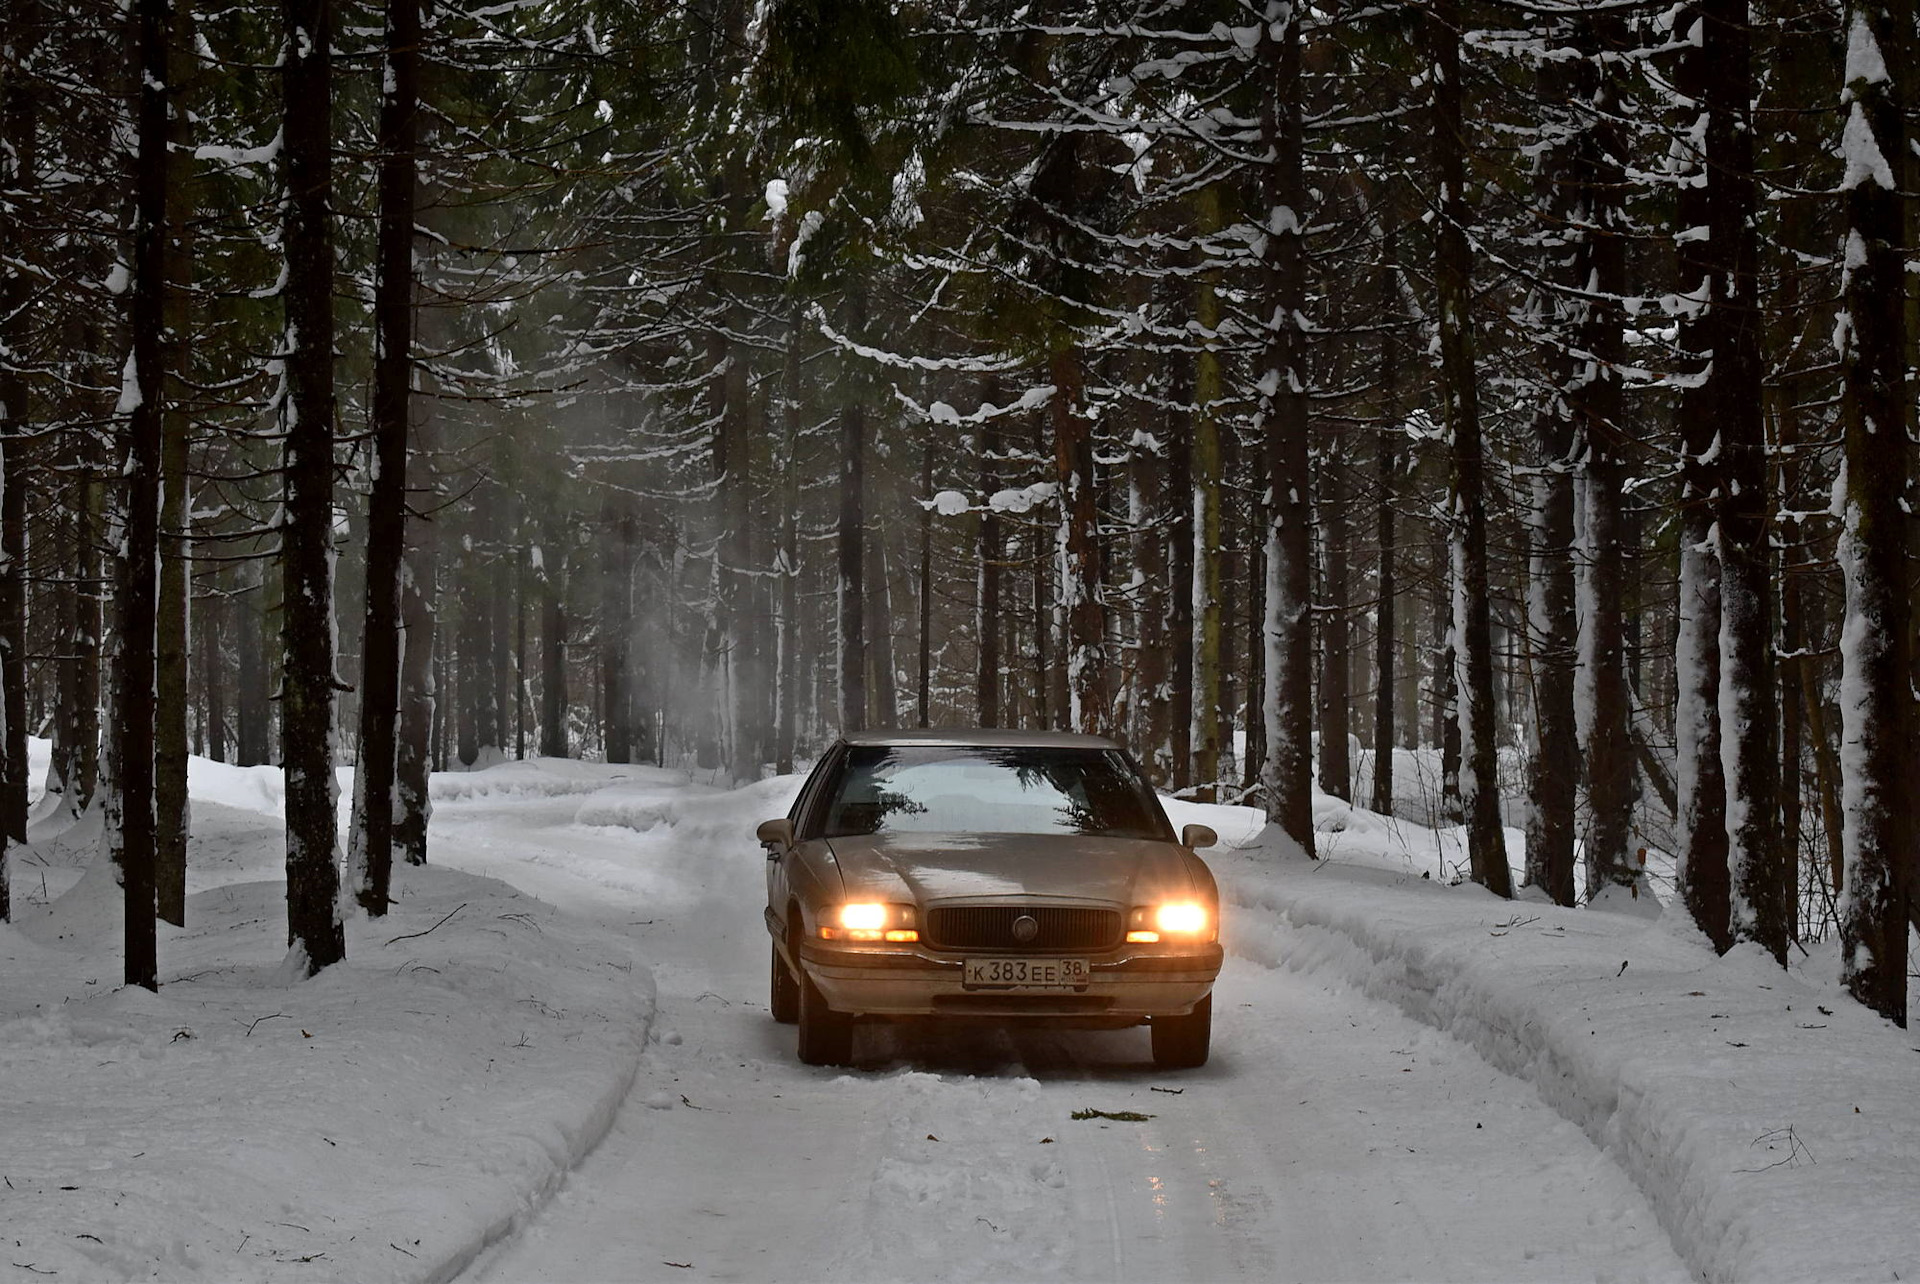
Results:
<point x="980" y="737"/>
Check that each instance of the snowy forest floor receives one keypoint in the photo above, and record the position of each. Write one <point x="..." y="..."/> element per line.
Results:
<point x="1411" y="1079"/>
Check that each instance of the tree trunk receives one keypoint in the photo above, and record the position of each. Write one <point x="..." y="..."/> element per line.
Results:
<point x="213" y="672"/>
<point x="1553" y="769"/>
<point x="1180" y="575"/>
<point x="1472" y="627"/>
<point x="787" y="668"/>
<point x="1876" y="645"/>
<point x="370" y="850"/>
<point x="1283" y="427"/>
<point x="252" y="715"/>
<point x="1207" y="392"/>
<point x="142" y="399"/>
<point x="1080" y="603"/>
<point x="1336" y="630"/>
<point x="21" y="30"/>
<point x="1387" y="483"/>
<point x="1703" y="873"/>
<point x="924" y="698"/>
<point x="616" y="626"/>
<point x="992" y="552"/>
<point x="1758" y="910"/>
<point x="553" y="656"/>
<point x="851" y="538"/>
<point x="314" y="928"/>
<point x="414" y="747"/>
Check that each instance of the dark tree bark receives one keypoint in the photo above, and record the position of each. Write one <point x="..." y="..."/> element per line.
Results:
<point x="213" y="683"/>
<point x="1282" y="421"/>
<point x="252" y="731"/>
<point x="787" y="667"/>
<point x="1758" y="910"/>
<point x="1387" y="483"/>
<point x="1701" y="778"/>
<point x="414" y="748"/>
<point x="992" y="554"/>
<point x="1597" y="405"/>
<point x="1472" y="627"/>
<point x="1047" y="702"/>
<point x="553" y="655"/>
<point x="619" y="536"/>
<point x="314" y="928"/>
<point x="370" y="853"/>
<point x="143" y="400"/>
<point x="851" y="539"/>
<point x="882" y="680"/>
<point x="1876" y="644"/>
<point x="1179" y="585"/>
<point x="1087" y="692"/>
<point x="1208" y="391"/>
<point x="20" y="27"/>
<point x="171" y="815"/>
<point x="924" y="697"/>
<point x="1553" y="767"/>
<point x="1574" y="432"/>
<point x="1336" y="629"/>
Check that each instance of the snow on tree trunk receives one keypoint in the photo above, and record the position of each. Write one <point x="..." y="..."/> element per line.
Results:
<point x="1472" y="634"/>
<point x="1876" y="643"/>
<point x="142" y="401"/>
<point x="1553" y="766"/>
<point x="314" y="929"/>
<point x="1757" y="909"/>
<point x="1207" y="393"/>
<point x="1703" y="871"/>
<point x="1282" y="427"/>
<point x="991" y="553"/>
<point x="419" y="598"/>
<point x="370" y="841"/>
<point x="851" y="540"/>
<point x="1335" y="704"/>
<point x="1080" y="602"/>
<point x="18" y="126"/>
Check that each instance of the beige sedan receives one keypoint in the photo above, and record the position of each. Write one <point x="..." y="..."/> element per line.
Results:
<point x="988" y="875"/>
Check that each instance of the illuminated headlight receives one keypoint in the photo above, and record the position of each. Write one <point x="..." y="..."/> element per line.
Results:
<point x="870" y="921"/>
<point x="1176" y="920"/>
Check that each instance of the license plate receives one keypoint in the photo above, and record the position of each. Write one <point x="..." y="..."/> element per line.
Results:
<point x="1025" y="974"/>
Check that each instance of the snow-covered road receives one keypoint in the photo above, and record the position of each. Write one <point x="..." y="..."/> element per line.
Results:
<point x="1330" y="1138"/>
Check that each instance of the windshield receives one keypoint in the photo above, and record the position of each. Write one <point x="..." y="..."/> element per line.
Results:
<point x="926" y="789"/>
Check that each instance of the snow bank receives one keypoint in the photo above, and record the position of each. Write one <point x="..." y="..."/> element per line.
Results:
<point x="383" y="1121"/>
<point x="1769" y="1119"/>
<point x="699" y="814"/>
<point x="542" y="778"/>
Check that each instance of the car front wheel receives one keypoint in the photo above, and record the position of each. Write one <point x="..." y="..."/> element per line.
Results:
<point x="826" y="1036"/>
<point x="1182" y="1042"/>
<point x="785" y="1000"/>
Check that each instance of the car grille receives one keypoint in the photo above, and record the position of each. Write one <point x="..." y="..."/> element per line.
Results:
<point x="990" y="927"/>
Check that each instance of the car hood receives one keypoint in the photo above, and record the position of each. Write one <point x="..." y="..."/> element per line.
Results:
<point x="925" y="868"/>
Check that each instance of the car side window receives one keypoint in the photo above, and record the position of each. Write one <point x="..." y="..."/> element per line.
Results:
<point x="809" y="809"/>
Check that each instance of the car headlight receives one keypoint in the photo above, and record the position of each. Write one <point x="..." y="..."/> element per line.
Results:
<point x="869" y="921"/>
<point x="1172" y="920"/>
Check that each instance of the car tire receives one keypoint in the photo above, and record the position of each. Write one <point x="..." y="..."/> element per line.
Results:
<point x="826" y="1036"/>
<point x="785" y="991"/>
<point x="1182" y="1042"/>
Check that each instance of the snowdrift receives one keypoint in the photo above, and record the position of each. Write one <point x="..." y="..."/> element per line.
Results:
<point x="1769" y="1119"/>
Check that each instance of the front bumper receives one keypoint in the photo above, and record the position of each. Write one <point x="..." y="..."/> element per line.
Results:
<point x="1129" y="983"/>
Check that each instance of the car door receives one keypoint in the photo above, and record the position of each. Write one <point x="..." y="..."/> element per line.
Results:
<point x="784" y="879"/>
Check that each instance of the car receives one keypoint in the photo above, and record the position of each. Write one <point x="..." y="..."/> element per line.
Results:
<point x="988" y="875"/>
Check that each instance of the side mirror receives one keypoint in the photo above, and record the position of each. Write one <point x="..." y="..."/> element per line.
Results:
<point x="775" y="835"/>
<point x="1198" y="836"/>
